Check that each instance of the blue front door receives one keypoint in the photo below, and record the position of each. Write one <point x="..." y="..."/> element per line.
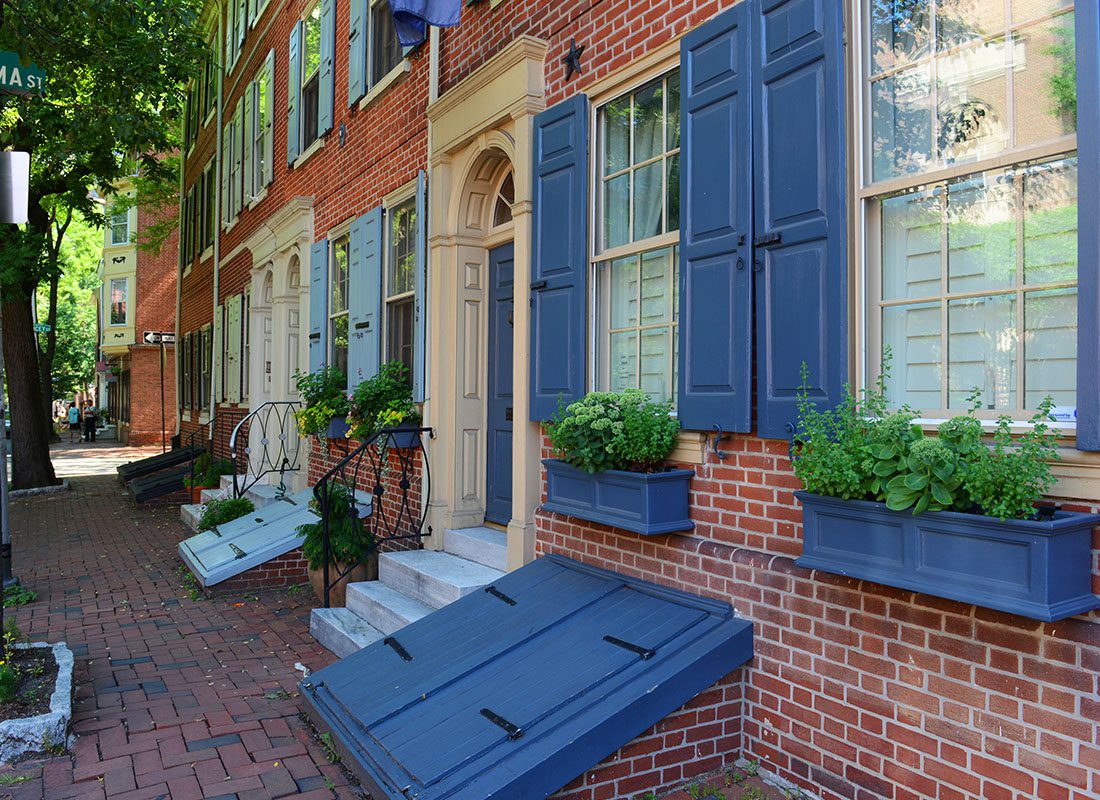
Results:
<point x="498" y="471"/>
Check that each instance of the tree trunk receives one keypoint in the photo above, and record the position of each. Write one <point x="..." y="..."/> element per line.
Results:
<point x="31" y="466"/>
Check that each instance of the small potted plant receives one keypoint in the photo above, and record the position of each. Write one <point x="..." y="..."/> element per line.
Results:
<point x="206" y="474"/>
<point x="352" y="557"/>
<point x="954" y="515"/>
<point x="324" y="403"/>
<point x="384" y="402"/>
<point x="609" y="450"/>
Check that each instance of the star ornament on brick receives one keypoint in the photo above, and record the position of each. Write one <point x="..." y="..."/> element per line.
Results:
<point x="572" y="58"/>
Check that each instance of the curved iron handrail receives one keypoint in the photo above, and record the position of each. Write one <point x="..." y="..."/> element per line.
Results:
<point x="366" y="470"/>
<point x="192" y="438"/>
<point x="277" y="450"/>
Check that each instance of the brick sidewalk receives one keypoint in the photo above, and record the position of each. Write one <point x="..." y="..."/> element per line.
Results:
<point x="175" y="698"/>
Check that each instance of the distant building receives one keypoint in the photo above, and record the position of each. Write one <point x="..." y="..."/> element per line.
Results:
<point x="135" y="382"/>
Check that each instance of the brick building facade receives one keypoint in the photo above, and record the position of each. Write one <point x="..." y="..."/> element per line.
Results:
<point x="430" y="182"/>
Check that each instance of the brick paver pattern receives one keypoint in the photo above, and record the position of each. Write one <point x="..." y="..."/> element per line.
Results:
<point x="175" y="698"/>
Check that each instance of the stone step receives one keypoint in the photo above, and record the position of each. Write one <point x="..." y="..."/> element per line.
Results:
<point x="483" y="545"/>
<point x="383" y="607"/>
<point x="190" y="514"/>
<point x="226" y="481"/>
<point x="433" y="578"/>
<point x="341" y="631"/>
<point x="262" y="494"/>
<point x="215" y="494"/>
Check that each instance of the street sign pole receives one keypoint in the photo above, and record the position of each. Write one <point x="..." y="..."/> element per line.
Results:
<point x="163" y="358"/>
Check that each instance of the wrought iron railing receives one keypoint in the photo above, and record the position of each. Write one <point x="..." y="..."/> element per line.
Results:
<point x="379" y="491"/>
<point x="265" y="442"/>
<point x="199" y="438"/>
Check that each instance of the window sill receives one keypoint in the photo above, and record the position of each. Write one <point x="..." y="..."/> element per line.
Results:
<point x="306" y="154"/>
<point x="187" y="270"/>
<point x="392" y="77"/>
<point x="691" y="448"/>
<point x="257" y="199"/>
<point x="207" y="253"/>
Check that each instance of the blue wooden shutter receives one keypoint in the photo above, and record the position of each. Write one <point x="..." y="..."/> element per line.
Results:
<point x="364" y="296"/>
<point x="327" y="78"/>
<point x="715" y="375"/>
<point x="800" y="209"/>
<point x="559" y="264"/>
<point x="420" y="298"/>
<point x="1088" y="225"/>
<point x="357" y="50"/>
<point x="293" y="92"/>
<point x="318" y="305"/>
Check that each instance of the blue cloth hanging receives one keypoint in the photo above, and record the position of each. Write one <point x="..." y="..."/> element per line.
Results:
<point x="411" y="18"/>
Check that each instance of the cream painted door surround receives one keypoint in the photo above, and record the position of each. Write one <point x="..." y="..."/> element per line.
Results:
<point x="479" y="131"/>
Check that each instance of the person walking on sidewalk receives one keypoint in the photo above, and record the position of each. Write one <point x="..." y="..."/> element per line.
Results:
<point x="89" y="423"/>
<point x="74" y="422"/>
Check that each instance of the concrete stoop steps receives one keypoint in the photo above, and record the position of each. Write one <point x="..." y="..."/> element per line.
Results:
<point x="410" y="585"/>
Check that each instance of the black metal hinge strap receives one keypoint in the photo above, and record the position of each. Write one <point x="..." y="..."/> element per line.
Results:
<point x="315" y="337"/>
<point x="499" y="595"/>
<point x="239" y="552"/>
<point x="389" y="641"/>
<point x="537" y="285"/>
<point x="645" y="652"/>
<point x="513" y="731"/>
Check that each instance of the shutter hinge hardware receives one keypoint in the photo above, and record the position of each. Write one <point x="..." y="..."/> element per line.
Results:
<point x="537" y="285"/>
<point x="719" y="437"/>
<point x="395" y="645"/>
<point x="646" y="653"/>
<point x="767" y="239"/>
<point x="513" y="731"/>
<point x="499" y="595"/>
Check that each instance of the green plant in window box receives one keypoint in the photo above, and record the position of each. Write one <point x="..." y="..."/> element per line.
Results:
<point x="614" y="430"/>
<point x="382" y="402"/>
<point x="324" y="398"/>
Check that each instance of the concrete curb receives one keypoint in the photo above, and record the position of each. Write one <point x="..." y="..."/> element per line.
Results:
<point x="62" y="487"/>
<point x="45" y="731"/>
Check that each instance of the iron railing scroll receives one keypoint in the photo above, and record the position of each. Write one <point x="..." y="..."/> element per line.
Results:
<point x="199" y="438"/>
<point x="265" y="442"/>
<point x="382" y="489"/>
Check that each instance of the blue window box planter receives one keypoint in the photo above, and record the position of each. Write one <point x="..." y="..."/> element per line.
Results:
<point x="649" y="503"/>
<point x="1040" y="569"/>
<point x="405" y="437"/>
<point x="337" y="428"/>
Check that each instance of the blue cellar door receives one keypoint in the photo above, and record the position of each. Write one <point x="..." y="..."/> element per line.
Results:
<point x="715" y="375"/>
<point x="559" y="263"/>
<point x="318" y="305"/>
<point x="498" y="469"/>
<point x="800" y="232"/>
<point x="364" y="296"/>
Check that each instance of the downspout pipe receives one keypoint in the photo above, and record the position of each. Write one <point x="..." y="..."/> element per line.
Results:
<point x="215" y="360"/>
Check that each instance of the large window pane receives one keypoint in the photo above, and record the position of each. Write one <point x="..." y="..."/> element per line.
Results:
<point x="900" y="31"/>
<point x="962" y="21"/>
<point x="1044" y="81"/>
<point x="1050" y="347"/>
<point x="385" y="49"/>
<point x="339" y="302"/>
<point x="901" y="123"/>
<point x="1050" y="222"/>
<point x="972" y="116"/>
<point x="623" y="361"/>
<point x="402" y="257"/>
<point x="981" y="233"/>
<point x="649" y="134"/>
<point x="982" y="351"/>
<point x="338" y="333"/>
<point x="616" y="211"/>
<point x="624" y="292"/>
<point x="616" y="122"/>
<point x="913" y="334"/>
<point x="648" y="201"/>
<point x="311" y="42"/>
<point x="911" y="245"/>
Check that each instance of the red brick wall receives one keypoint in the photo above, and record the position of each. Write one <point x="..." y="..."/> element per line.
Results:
<point x="289" y="569"/>
<point x="859" y="690"/>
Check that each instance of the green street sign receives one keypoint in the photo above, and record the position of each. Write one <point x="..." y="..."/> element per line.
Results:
<point x="41" y="327"/>
<point x="18" y="79"/>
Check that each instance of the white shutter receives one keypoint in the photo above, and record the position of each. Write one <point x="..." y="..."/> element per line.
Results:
<point x="238" y="158"/>
<point x="217" y="389"/>
<point x="233" y="350"/>
<point x="248" y="143"/>
<point x="227" y="154"/>
<point x="268" y="172"/>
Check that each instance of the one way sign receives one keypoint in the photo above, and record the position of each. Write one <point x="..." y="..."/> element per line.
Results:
<point x="158" y="337"/>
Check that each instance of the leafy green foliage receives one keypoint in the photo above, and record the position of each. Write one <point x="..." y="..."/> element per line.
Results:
<point x="208" y="471"/>
<point x="614" y="430"/>
<point x="349" y="540"/>
<point x="222" y="510"/>
<point x="857" y="451"/>
<point x="1006" y="480"/>
<point x="19" y="596"/>
<point x="384" y="401"/>
<point x="9" y="673"/>
<point x="324" y="397"/>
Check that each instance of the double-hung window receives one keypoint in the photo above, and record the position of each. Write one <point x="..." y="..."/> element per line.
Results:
<point x="311" y="75"/>
<point x="120" y="227"/>
<point x="400" y="282"/>
<point x="385" y="52"/>
<point x="969" y="199"/>
<point x="638" y="220"/>
<point x="120" y="297"/>
<point x="338" y="304"/>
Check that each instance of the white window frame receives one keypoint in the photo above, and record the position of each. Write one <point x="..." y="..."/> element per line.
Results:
<point x="648" y="70"/>
<point x="402" y="197"/>
<point x="125" y="280"/>
<point x="866" y="193"/>
<point x="307" y="148"/>
<point x="111" y="228"/>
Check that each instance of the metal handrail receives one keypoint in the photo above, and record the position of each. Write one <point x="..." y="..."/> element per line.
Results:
<point x="203" y="429"/>
<point x="279" y="454"/>
<point x="383" y="519"/>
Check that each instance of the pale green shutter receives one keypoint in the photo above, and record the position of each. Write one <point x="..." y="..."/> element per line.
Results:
<point x="357" y="50"/>
<point x="249" y="140"/>
<point x="217" y="389"/>
<point x="268" y="170"/>
<point x="238" y="158"/>
<point x="293" y="92"/>
<point x="327" y="76"/>
<point x="227" y="155"/>
<point x="233" y="350"/>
